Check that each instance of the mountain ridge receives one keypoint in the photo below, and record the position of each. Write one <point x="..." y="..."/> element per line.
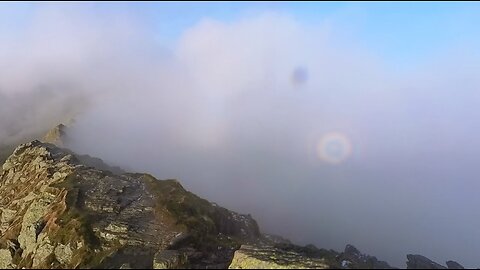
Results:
<point x="47" y="193"/>
<point x="59" y="209"/>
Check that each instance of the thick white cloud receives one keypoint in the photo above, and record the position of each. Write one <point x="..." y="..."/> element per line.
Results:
<point x="222" y="112"/>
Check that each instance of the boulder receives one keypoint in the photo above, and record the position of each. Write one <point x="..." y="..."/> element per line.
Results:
<point x="269" y="257"/>
<point x="169" y="259"/>
<point x="422" y="262"/>
<point x="352" y="258"/>
<point x="454" y="265"/>
<point x="56" y="135"/>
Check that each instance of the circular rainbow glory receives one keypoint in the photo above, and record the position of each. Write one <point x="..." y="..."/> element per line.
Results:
<point x="334" y="147"/>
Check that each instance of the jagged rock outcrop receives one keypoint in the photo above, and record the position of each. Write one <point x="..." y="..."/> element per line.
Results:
<point x="169" y="259"/>
<point x="57" y="212"/>
<point x="422" y="262"/>
<point x="270" y="257"/>
<point x="454" y="265"/>
<point x="282" y="255"/>
<point x="56" y="135"/>
<point x="352" y="258"/>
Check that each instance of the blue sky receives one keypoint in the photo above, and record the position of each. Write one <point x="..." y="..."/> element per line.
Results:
<point x="399" y="32"/>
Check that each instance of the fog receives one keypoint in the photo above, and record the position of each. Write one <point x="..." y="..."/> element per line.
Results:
<point x="316" y="136"/>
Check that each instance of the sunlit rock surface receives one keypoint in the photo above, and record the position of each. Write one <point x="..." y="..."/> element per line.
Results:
<point x="56" y="135"/>
<point x="269" y="257"/>
<point x="283" y="255"/>
<point x="57" y="212"/>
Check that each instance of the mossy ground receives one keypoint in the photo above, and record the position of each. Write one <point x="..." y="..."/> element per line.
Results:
<point x="190" y="211"/>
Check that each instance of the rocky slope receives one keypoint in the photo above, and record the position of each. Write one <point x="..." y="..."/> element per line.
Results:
<point x="269" y="257"/>
<point x="421" y="262"/>
<point x="62" y="210"/>
<point x="56" y="135"/>
<point x="59" y="213"/>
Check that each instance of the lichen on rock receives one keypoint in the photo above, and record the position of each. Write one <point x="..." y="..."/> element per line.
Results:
<point x="6" y="259"/>
<point x="269" y="257"/>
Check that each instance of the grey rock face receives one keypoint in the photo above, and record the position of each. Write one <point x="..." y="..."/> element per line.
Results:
<point x="56" y="135"/>
<point x="454" y="265"/>
<point x="351" y="251"/>
<point x="281" y="254"/>
<point x="270" y="257"/>
<point x="169" y="259"/>
<point x="58" y="212"/>
<point x="421" y="262"/>
<point x="352" y="258"/>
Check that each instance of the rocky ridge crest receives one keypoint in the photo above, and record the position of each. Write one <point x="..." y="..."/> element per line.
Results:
<point x="56" y="212"/>
<point x="63" y="210"/>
